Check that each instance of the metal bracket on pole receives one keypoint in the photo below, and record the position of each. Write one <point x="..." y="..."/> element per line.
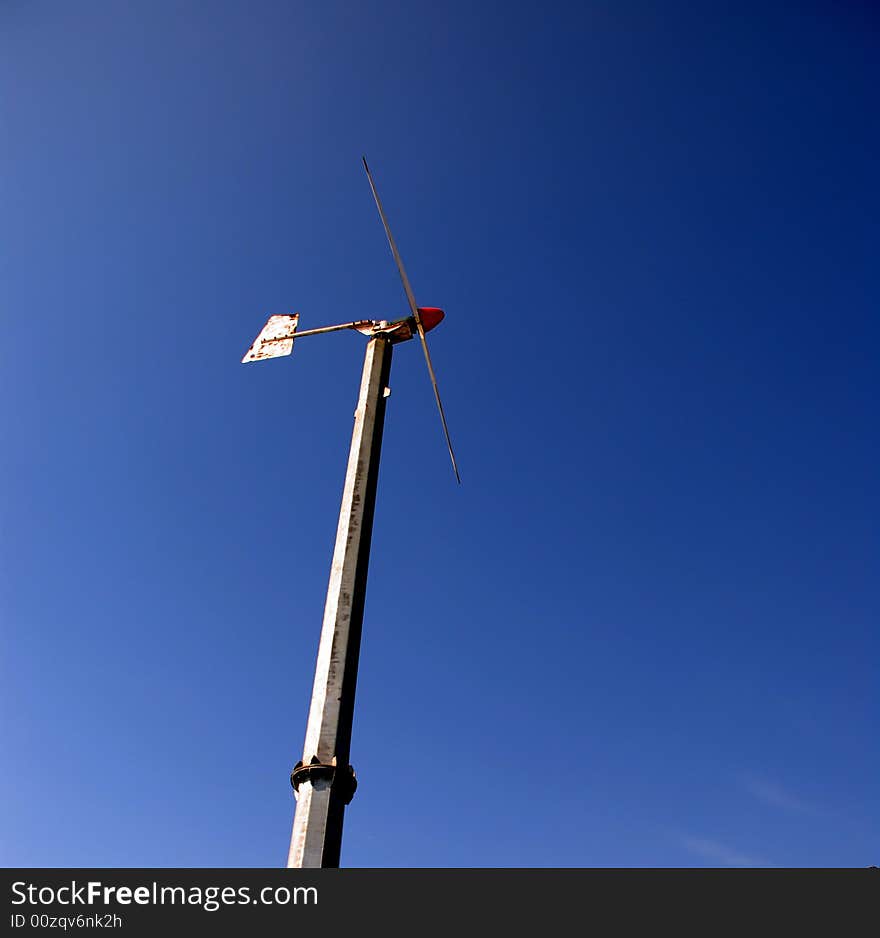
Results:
<point x="343" y="782"/>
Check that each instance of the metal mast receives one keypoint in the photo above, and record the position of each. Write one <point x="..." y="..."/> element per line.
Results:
<point x="323" y="780"/>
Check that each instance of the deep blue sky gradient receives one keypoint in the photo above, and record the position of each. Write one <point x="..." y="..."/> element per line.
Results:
<point x="643" y="630"/>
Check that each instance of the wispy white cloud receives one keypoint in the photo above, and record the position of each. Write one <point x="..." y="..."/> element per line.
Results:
<point x="776" y="796"/>
<point x="720" y="853"/>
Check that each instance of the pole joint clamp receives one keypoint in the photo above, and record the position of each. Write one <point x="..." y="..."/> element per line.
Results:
<point x="342" y="781"/>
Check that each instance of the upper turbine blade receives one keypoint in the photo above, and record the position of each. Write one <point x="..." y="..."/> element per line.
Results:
<point x="410" y="297"/>
<point x="407" y="288"/>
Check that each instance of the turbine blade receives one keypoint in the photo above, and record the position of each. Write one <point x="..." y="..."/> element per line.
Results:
<point x="403" y="277"/>
<point x="410" y="297"/>
<point x="437" y="398"/>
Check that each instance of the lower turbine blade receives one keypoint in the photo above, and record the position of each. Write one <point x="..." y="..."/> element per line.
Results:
<point x="437" y="398"/>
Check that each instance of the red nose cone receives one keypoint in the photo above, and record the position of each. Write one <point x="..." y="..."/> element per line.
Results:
<point x="430" y="317"/>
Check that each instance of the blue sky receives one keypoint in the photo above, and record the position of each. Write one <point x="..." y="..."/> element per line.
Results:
<point x="643" y="630"/>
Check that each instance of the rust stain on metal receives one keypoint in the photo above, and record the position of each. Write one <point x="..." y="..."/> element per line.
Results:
<point x="398" y="330"/>
<point x="275" y="339"/>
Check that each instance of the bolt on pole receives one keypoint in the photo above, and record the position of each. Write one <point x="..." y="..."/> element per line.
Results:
<point x="323" y="780"/>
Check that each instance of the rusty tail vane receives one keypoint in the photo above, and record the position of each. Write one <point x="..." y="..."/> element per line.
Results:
<point x="415" y="314"/>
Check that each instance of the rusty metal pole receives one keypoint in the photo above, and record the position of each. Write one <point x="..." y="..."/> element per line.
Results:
<point x="323" y="781"/>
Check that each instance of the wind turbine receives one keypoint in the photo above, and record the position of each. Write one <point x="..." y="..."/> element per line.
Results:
<point x="323" y="780"/>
